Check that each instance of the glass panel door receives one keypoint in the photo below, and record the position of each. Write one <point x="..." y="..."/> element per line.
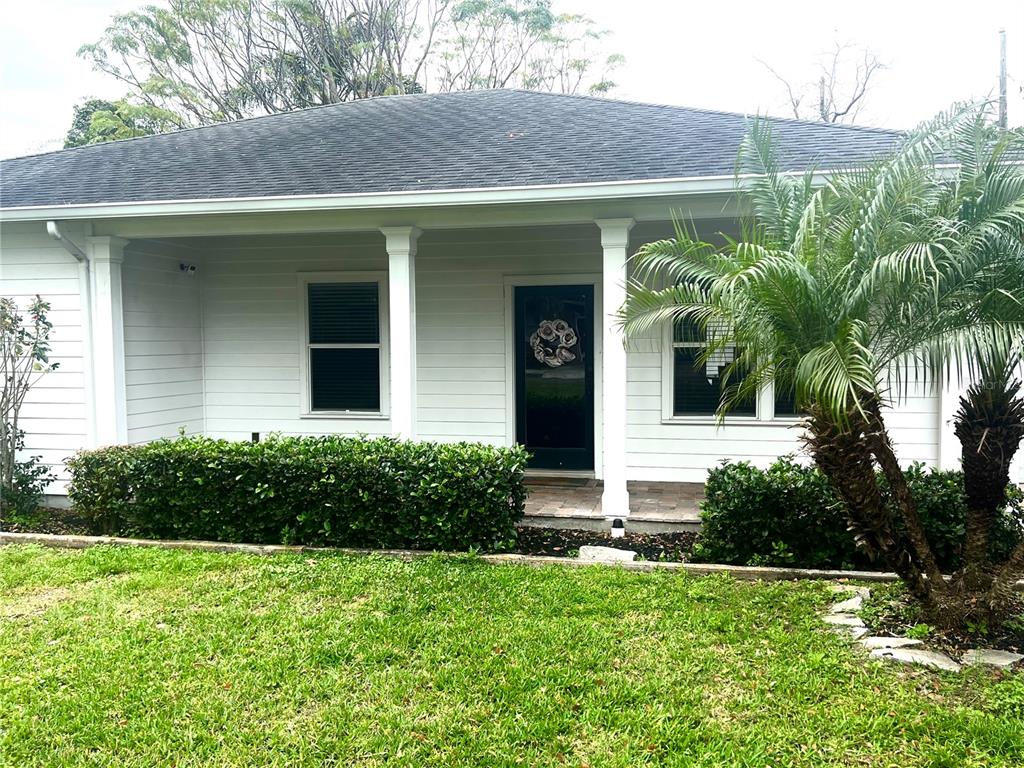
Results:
<point x="554" y="340"/>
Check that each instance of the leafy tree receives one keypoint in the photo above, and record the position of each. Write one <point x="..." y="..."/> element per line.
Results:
<point x="847" y="294"/>
<point x="98" y="120"/>
<point x="197" y="62"/>
<point x="24" y="357"/>
<point x="521" y="44"/>
<point x="215" y="60"/>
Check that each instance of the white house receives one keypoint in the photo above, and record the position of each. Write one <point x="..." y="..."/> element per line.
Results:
<point x="442" y="267"/>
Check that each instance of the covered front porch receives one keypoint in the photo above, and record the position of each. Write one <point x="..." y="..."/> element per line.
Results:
<point x="213" y="333"/>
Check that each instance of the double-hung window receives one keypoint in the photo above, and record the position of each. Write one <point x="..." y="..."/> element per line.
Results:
<point x="696" y="385"/>
<point x="693" y="386"/>
<point x="345" y="354"/>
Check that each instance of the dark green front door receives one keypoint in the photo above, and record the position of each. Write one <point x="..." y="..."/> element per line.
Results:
<point x="554" y="355"/>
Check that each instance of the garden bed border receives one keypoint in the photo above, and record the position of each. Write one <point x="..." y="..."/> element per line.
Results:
<point x="746" y="572"/>
<point x="751" y="573"/>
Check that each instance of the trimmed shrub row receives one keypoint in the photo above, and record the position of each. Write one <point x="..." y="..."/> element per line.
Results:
<point x="325" y="491"/>
<point x="788" y="515"/>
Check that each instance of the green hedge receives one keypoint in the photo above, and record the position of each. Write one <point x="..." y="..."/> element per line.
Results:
<point x="788" y="514"/>
<point x="337" y="491"/>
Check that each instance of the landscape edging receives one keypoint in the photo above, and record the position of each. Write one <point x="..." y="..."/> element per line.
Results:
<point x="697" y="569"/>
<point x="748" y="572"/>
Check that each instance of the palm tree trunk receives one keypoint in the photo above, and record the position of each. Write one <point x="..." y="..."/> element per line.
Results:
<point x="990" y="426"/>
<point x="881" y="447"/>
<point x="1001" y="593"/>
<point x="843" y="454"/>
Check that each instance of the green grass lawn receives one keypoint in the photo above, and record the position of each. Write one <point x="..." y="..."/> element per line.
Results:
<point x="127" y="657"/>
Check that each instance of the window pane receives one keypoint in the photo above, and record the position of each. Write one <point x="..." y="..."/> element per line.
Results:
<point x="344" y="379"/>
<point x="785" y="403"/>
<point x="343" y="313"/>
<point x="697" y="388"/>
<point x="687" y="329"/>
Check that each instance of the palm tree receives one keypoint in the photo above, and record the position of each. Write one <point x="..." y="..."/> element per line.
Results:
<point x="845" y="294"/>
<point x="985" y="199"/>
<point x="990" y="426"/>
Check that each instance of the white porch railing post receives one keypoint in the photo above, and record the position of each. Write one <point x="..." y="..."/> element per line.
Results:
<point x="111" y="416"/>
<point x="401" y="247"/>
<point x="615" y="244"/>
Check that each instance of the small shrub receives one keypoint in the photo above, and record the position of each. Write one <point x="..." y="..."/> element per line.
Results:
<point x="783" y="516"/>
<point x="788" y="515"/>
<point x="330" y="491"/>
<point x="19" y="501"/>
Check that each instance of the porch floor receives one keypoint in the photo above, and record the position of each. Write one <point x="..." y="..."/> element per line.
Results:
<point x="654" y="507"/>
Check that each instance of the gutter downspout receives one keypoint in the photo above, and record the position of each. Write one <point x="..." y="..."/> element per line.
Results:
<point x="85" y="301"/>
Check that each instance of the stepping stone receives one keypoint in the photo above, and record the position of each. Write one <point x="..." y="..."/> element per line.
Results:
<point x="606" y="555"/>
<point x="852" y="633"/>
<point x="888" y="642"/>
<point x="851" y="605"/>
<point x="845" y="589"/>
<point x="843" y="620"/>
<point x="932" y="659"/>
<point x="991" y="657"/>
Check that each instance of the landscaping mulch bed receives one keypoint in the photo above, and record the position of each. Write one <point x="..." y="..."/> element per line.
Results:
<point x="890" y="612"/>
<point x="665" y="547"/>
<point x="56" y="520"/>
<point x="565" y="542"/>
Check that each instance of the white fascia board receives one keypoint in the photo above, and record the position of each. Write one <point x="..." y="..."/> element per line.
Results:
<point x="542" y="193"/>
<point x="384" y="200"/>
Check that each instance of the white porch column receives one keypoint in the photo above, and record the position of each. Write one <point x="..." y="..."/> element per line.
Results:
<point x="401" y="246"/>
<point x="105" y="257"/>
<point x="615" y="242"/>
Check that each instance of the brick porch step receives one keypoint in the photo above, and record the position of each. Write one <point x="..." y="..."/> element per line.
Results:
<point x="654" y="507"/>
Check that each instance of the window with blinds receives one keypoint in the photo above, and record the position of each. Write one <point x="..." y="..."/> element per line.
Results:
<point x="344" y="350"/>
<point x="696" y="385"/>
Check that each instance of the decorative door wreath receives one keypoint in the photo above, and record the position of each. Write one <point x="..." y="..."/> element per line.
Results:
<point x="554" y="343"/>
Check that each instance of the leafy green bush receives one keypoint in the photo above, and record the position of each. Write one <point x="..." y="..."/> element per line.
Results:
<point x="338" y="491"/>
<point x="788" y="515"/>
<point x="19" y="501"/>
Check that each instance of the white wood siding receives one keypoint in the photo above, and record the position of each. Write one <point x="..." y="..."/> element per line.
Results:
<point x="250" y="304"/>
<point x="251" y="360"/>
<point x="54" y="413"/>
<point x="460" y="296"/>
<point x="163" y="341"/>
<point x="219" y="351"/>
<point x="685" y="451"/>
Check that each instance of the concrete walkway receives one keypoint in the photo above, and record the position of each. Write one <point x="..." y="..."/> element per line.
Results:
<point x="569" y="502"/>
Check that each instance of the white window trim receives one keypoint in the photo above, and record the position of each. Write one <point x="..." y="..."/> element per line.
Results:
<point x="307" y="278"/>
<point x="764" y="408"/>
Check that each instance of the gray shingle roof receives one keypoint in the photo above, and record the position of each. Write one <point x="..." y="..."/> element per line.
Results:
<point x="477" y="139"/>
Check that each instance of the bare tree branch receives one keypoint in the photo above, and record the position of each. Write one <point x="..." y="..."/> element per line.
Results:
<point x="840" y="91"/>
<point x="794" y="98"/>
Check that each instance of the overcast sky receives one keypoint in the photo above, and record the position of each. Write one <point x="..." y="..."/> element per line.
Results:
<point x="696" y="54"/>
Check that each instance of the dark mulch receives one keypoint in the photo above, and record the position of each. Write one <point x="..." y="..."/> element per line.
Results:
<point x="890" y="612"/>
<point x="50" y="520"/>
<point x="672" y="547"/>
<point x="558" y="542"/>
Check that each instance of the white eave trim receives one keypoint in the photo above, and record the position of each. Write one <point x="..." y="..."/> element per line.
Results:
<point x="383" y="200"/>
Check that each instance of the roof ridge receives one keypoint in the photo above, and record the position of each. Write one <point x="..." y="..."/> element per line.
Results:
<point x="702" y="110"/>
